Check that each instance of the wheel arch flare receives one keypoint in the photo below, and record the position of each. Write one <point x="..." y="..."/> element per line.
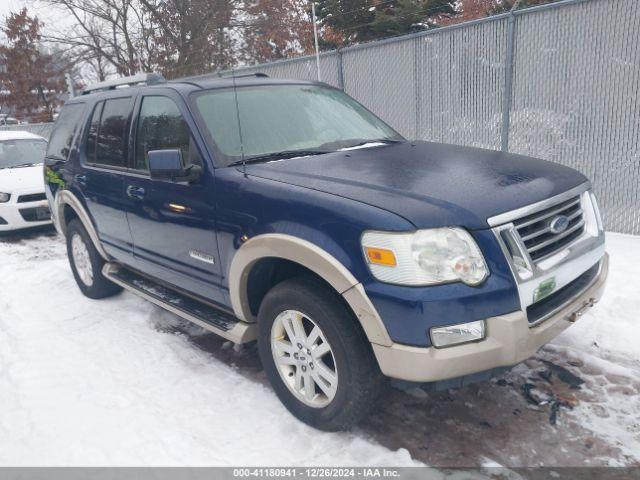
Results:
<point x="313" y="258"/>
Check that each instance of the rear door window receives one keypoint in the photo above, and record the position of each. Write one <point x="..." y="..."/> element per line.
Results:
<point x="161" y="126"/>
<point x="113" y="133"/>
<point x="64" y="131"/>
<point x="92" y="135"/>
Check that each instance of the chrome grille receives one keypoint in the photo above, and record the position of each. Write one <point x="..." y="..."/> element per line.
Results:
<point x="536" y="232"/>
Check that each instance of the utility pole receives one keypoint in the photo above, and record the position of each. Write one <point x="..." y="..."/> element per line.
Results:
<point x="315" y="37"/>
<point x="70" y="86"/>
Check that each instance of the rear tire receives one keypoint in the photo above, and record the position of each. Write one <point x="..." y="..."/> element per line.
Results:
<point x="306" y="335"/>
<point x="86" y="263"/>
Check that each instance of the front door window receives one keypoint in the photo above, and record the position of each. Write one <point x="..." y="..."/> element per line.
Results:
<point x="160" y="127"/>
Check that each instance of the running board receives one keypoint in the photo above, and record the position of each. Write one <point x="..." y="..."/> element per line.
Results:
<point x="202" y="314"/>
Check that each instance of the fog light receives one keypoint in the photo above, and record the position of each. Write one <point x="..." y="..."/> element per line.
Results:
<point x="457" y="334"/>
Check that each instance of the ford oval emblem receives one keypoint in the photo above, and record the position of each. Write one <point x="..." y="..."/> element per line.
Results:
<point x="559" y="224"/>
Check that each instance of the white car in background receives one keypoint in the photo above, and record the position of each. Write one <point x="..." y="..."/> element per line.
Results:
<point x="22" y="200"/>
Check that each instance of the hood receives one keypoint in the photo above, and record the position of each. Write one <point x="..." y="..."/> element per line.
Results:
<point x="429" y="184"/>
<point x="21" y="179"/>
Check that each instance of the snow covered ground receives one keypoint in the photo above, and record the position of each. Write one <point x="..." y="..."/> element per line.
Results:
<point x="608" y="340"/>
<point x="121" y="382"/>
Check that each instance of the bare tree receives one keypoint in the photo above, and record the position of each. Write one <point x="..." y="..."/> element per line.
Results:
<point x="178" y="37"/>
<point x="193" y="36"/>
<point x="109" y="35"/>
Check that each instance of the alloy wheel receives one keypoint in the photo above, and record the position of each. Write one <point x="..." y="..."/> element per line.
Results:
<point x="82" y="260"/>
<point x="304" y="358"/>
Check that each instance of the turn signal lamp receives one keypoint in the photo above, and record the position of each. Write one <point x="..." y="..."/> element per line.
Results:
<point x="381" y="256"/>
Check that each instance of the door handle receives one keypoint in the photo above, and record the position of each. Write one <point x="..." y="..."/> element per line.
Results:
<point x="135" y="192"/>
<point x="81" y="179"/>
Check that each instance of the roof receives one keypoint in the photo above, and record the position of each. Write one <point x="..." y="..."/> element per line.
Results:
<point x="18" y="135"/>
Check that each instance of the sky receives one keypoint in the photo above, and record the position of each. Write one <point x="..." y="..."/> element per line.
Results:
<point x="48" y="17"/>
<point x="7" y="6"/>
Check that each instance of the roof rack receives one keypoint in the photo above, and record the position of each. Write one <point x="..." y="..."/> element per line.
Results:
<point x="257" y="74"/>
<point x="141" y="78"/>
<point x="207" y="76"/>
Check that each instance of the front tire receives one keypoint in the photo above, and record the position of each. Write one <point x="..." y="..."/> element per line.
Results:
<point x="316" y="356"/>
<point x="86" y="263"/>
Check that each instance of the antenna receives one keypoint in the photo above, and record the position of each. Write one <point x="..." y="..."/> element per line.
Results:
<point x="315" y="37"/>
<point x="235" y="94"/>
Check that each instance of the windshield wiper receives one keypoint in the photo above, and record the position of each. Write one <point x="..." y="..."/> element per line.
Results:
<point x="357" y="142"/>
<point x="328" y="147"/>
<point x="278" y="156"/>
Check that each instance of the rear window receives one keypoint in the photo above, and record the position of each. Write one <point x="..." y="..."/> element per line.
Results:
<point x="64" y="131"/>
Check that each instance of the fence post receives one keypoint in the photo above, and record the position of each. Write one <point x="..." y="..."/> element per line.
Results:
<point x="508" y="83"/>
<point x="340" y="71"/>
<point x="416" y="87"/>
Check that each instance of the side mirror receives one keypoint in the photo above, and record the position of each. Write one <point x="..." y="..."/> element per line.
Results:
<point x="167" y="165"/>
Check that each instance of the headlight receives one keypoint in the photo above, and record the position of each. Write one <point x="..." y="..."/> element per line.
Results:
<point x="4" y="197"/>
<point x="457" y="334"/>
<point x="425" y="257"/>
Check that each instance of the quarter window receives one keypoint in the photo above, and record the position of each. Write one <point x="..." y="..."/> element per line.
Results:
<point x="64" y="131"/>
<point x="161" y="126"/>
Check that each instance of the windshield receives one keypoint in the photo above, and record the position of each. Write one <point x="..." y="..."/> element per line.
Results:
<point x="286" y="119"/>
<point x="21" y="153"/>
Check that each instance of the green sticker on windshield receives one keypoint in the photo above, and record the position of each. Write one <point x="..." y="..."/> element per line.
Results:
<point x="544" y="289"/>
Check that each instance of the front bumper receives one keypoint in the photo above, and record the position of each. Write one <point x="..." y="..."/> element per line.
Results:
<point x="16" y="215"/>
<point x="510" y="340"/>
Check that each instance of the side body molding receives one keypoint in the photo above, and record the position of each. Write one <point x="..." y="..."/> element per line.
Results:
<point x="274" y="245"/>
<point x="65" y="197"/>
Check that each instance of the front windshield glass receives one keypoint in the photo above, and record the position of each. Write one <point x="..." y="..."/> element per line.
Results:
<point x="285" y="119"/>
<point x="21" y="153"/>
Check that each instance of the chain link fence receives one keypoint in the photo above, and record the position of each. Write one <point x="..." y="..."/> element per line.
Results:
<point x="560" y="82"/>
<point x="42" y="129"/>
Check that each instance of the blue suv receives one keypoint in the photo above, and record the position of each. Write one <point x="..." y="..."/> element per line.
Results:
<point x="284" y="212"/>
